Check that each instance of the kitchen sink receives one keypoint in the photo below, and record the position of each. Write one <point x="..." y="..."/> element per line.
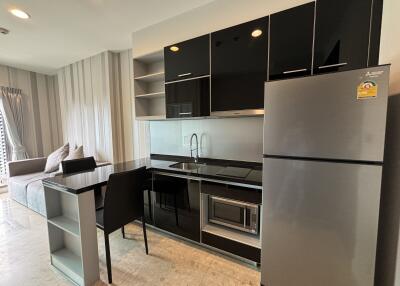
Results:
<point x="186" y="166"/>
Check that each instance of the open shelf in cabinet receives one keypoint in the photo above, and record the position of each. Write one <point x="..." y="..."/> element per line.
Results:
<point x="158" y="76"/>
<point x="62" y="211"/>
<point x="151" y="95"/>
<point x="149" y="90"/>
<point x="65" y="223"/>
<point x="69" y="263"/>
<point x="65" y="253"/>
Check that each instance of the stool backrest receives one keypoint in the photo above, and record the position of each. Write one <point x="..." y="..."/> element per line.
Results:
<point x="123" y="201"/>
<point x="78" y="165"/>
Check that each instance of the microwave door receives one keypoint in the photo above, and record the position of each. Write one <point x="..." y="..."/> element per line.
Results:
<point x="231" y="214"/>
<point x="227" y="212"/>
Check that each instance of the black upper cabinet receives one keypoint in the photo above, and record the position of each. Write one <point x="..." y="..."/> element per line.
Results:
<point x="239" y="66"/>
<point x="188" y="98"/>
<point x="190" y="59"/>
<point x="342" y="33"/>
<point x="317" y="37"/>
<point x="291" y="40"/>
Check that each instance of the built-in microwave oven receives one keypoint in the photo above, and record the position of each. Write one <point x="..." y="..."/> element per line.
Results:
<point x="233" y="214"/>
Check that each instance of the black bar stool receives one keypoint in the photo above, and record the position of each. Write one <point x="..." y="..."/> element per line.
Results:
<point x="123" y="203"/>
<point x="83" y="165"/>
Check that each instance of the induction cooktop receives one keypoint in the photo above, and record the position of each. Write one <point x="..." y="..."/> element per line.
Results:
<point x="234" y="172"/>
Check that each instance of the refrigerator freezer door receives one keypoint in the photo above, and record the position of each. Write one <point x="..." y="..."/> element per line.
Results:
<point x="331" y="116"/>
<point x="320" y="223"/>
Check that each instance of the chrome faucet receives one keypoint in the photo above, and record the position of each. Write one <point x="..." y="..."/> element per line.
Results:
<point x="196" y="159"/>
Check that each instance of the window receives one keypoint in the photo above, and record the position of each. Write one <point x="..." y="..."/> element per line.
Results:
<point x="3" y="149"/>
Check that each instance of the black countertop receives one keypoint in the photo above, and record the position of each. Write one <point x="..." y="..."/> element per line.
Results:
<point x="209" y="170"/>
<point x="81" y="182"/>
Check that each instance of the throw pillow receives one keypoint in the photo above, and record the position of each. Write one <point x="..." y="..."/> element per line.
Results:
<point x="77" y="153"/>
<point x="55" y="158"/>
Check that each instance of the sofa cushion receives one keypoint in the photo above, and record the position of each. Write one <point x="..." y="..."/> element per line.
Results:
<point x="28" y="178"/>
<point x="55" y="158"/>
<point x="17" y="191"/>
<point x="18" y="185"/>
<point x="28" y="190"/>
<point x="35" y="197"/>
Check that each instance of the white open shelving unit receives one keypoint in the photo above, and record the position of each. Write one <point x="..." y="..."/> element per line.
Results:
<point x="149" y="90"/>
<point x="72" y="235"/>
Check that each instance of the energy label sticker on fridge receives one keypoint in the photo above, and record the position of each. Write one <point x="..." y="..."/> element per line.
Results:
<point x="367" y="89"/>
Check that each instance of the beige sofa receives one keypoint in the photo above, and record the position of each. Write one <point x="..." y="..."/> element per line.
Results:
<point x="25" y="182"/>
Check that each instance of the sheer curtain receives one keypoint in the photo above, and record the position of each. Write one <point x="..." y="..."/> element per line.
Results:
<point x="11" y="109"/>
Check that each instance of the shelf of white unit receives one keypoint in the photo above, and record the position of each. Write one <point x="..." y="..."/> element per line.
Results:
<point x="158" y="76"/>
<point x="149" y="89"/>
<point x="151" y="117"/>
<point x="69" y="263"/>
<point x="69" y="225"/>
<point x="151" y="95"/>
<point x="238" y="236"/>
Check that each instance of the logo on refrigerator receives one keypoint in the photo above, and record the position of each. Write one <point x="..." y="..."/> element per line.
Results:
<point x="374" y="73"/>
<point x="367" y="89"/>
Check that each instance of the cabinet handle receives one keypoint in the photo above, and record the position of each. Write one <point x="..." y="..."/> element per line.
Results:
<point x="184" y="74"/>
<point x="332" y="66"/>
<point x="185" y="113"/>
<point x="294" y="71"/>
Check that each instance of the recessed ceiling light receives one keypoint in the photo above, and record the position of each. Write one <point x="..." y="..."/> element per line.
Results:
<point x="174" y="48"/>
<point x="256" y="33"/>
<point x="20" y="14"/>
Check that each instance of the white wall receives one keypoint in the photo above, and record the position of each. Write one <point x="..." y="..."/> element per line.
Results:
<point x="229" y="138"/>
<point x="41" y="110"/>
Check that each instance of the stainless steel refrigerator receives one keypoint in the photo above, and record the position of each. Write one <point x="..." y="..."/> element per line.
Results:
<point x="323" y="155"/>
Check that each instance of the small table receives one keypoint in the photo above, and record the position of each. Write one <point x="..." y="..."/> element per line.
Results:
<point x="71" y="220"/>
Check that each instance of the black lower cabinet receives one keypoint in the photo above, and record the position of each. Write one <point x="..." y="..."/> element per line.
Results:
<point x="177" y="206"/>
<point x="231" y="246"/>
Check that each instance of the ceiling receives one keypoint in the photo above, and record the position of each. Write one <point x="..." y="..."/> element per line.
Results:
<point x="61" y="32"/>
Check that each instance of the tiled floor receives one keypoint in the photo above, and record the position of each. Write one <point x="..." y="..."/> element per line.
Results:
<point x="24" y="256"/>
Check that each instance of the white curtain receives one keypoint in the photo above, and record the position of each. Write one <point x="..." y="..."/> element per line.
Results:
<point x="11" y="109"/>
